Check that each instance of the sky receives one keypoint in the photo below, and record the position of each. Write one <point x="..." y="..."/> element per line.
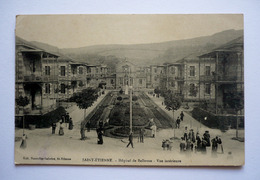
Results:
<point x="73" y="31"/>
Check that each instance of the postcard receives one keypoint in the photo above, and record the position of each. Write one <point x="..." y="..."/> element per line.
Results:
<point x="129" y="90"/>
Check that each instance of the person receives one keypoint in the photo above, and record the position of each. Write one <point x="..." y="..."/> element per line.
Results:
<point x="61" y="131"/>
<point x="67" y="118"/>
<point x="214" y="142"/>
<point x="206" y="136"/>
<point x="141" y="135"/>
<point x="53" y="125"/>
<point x="185" y="133"/>
<point x="88" y="126"/>
<point x="23" y="144"/>
<point x="198" y="145"/>
<point x="203" y="146"/>
<point x="100" y="124"/>
<point x="182" y="145"/>
<point x="70" y="124"/>
<point x="164" y="144"/>
<point x="153" y="130"/>
<point x="82" y="131"/>
<point x="130" y="140"/>
<point x="178" y="121"/>
<point x="191" y="136"/>
<point x="100" y="137"/>
<point x="182" y="115"/>
<point x="162" y="103"/>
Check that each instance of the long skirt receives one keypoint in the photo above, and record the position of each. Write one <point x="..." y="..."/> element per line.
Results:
<point x="23" y="144"/>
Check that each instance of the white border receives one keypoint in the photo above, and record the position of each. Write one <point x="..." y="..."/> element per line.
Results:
<point x="9" y="9"/>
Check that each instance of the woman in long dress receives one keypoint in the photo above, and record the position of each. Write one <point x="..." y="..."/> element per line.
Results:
<point x="61" y="131"/>
<point x="23" y="144"/>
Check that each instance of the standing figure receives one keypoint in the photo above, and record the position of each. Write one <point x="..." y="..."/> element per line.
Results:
<point x="198" y="148"/>
<point x="130" y="140"/>
<point x="182" y="145"/>
<point x="70" y="124"/>
<point x="23" y="144"/>
<point x="206" y="136"/>
<point x="203" y="146"/>
<point x="100" y="137"/>
<point x="178" y="121"/>
<point x="53" y="126"/>
<point x="82" y="131"/>
<point x="67" y="118"/>
<point x="61" y="131"/>
<point x="141" y="135"/>
<point x="182" y="115"/>
<point x="185" y="133"/>
<point x="153" y="130"/>
<point x="191" y="136"/>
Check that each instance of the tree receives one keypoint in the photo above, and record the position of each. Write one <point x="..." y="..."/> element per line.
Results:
<point x="157" y="91"/>
<point x="236" y="101"/>
<point x="22" y="101"/>
<point x="172" y="103"/>
<point x="85" y="98"/>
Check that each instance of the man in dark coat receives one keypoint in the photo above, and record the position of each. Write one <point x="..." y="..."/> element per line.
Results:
<point x="130" y="140"/>
<point x="182" y="115"/>
<point x="53" y="127"/>
<point x="178" y="121"/>
<point x="141" y="135"/>
<point x="70" y="124"/>
<point x="100" y="137"/>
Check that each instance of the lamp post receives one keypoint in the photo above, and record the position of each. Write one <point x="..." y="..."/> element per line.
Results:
<point x="131" y="110"/>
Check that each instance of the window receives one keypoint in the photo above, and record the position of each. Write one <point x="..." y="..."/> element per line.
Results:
<point x="172" y="70"/>
<point x="62" y="70"/>
<point x="192" y="70"/>
<point x="155" y="70"/>
<point x="112" y="81"/>
<point x="140" y="81"/>
<point x="80" y="70"/>
<point x="47" y="88"/>
<point x="47" y="70"/>
<point x="207" y="70"/>
<point x="74" y="71"/>
<point x="193" y="90"/>
<point x="207" y="88"/>
<point x="62" y="88"/>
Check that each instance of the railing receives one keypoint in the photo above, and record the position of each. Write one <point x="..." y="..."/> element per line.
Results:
<point x="227" y="78"/>
<point x="179" y="78"/>
<point x="33" y="78"/>
<point x="207" y="78"/>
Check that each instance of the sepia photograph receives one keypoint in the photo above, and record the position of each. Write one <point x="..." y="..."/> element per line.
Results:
<point x="129" y="90"/>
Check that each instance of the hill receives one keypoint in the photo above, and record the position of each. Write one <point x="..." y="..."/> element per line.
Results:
<point x="154" y="53"/>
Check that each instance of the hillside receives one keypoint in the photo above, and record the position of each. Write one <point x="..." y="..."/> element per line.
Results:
<point x="154" y="53"/>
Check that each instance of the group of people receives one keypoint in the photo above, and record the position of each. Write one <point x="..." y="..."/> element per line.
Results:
<point x="64" y="119"/>
<point x="189" y="142"/>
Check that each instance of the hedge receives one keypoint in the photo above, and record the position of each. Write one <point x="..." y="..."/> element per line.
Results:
<point x="44" y="121"/>
<point x="213" y="121"/>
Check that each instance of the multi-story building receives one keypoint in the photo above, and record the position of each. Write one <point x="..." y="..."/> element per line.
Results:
<point x="228" y="73"/>
<point x="36" y="78"/>
<point x="196" y="79"/>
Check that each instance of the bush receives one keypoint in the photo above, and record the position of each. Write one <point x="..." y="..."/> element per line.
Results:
<point x="134" y="98"/>
<point x="220" y="122"/>
<point x="44" y="121"/>
<point x="119" y="98"/>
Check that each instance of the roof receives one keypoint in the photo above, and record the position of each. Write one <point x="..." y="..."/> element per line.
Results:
<point x="34" y="48"/>
<point x="233" y="46"/>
